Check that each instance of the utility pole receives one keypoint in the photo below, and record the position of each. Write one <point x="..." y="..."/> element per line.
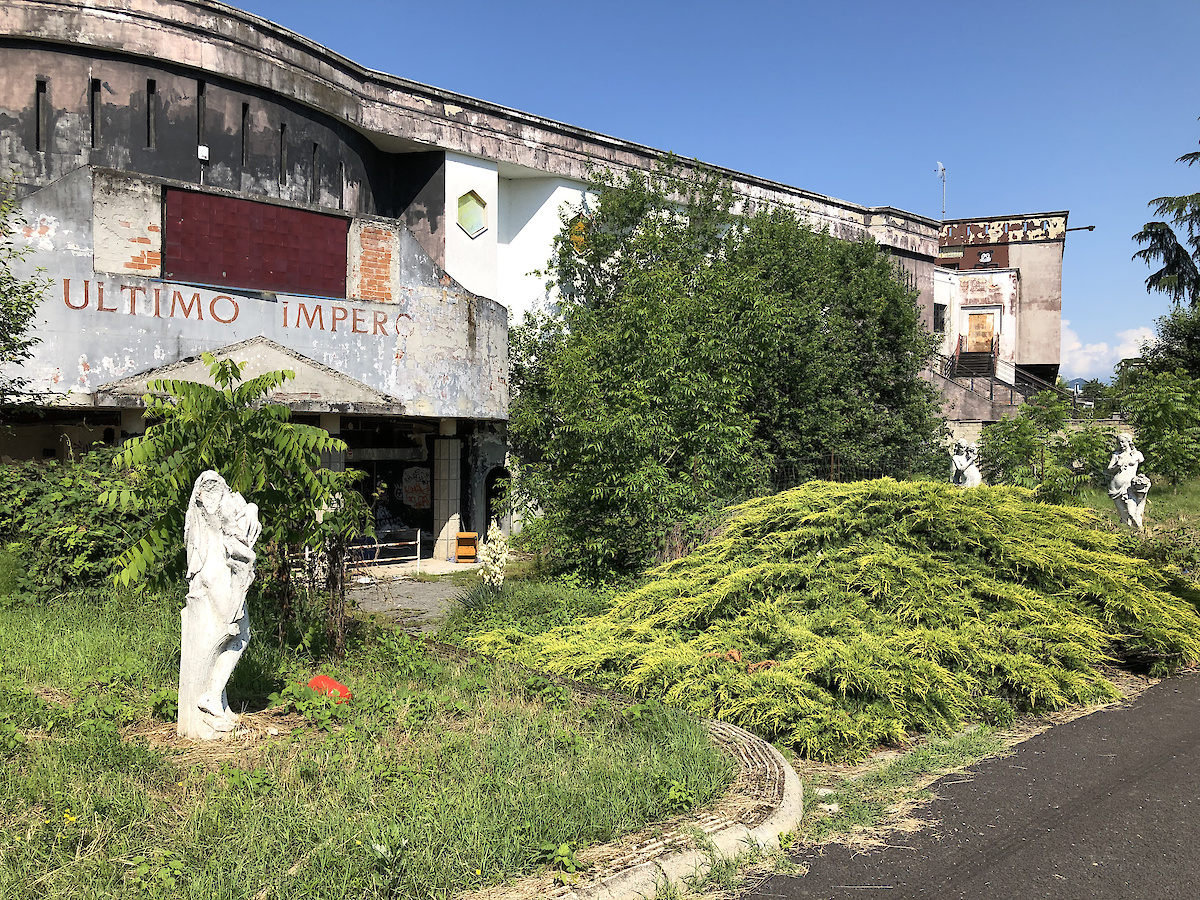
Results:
<point x="941" y="173"/>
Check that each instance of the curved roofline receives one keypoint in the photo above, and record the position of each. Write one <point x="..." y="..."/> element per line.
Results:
<point x="214" y="37"/>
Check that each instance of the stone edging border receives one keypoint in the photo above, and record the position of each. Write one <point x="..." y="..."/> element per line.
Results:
<point x="777" y="809"/>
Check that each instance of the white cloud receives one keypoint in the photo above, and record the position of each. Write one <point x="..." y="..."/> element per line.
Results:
<point x="1080" y="360"/>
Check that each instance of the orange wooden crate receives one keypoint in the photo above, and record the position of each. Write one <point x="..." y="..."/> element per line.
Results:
<point x="466" y="547"/>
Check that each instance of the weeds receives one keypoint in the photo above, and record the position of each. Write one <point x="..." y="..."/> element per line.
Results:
<point x="436" y="777"/>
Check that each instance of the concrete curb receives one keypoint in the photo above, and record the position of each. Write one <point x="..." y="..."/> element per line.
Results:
<point x="760" y="765"/>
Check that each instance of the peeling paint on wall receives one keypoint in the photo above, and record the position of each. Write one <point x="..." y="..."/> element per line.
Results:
<point x="126" y="225"/>
<point x="418" y="348"/>
<point x="1039" y="227"/>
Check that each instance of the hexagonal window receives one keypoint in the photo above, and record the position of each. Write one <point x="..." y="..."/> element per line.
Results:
<point x="472" y="214"/>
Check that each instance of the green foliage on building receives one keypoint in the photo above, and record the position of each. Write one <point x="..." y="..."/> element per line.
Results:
<point x="19" y="299"/>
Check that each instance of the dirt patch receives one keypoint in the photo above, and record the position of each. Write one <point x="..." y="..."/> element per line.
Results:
<point x="416" y="606"/>
<point x="253" y="730"/>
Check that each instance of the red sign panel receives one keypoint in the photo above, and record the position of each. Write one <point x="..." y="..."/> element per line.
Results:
<point x="235" y="243"/>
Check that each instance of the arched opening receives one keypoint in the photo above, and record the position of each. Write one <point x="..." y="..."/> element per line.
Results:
<point x="495" y="496"/>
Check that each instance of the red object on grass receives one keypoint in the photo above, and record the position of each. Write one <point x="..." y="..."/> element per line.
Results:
<point x="323" y="684"/>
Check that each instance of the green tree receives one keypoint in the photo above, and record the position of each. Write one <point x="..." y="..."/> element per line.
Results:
<point x="1178" y="275"/>
<point x="1035" y="449"/>
<point x="1176" y="343"/>
<point x="691" y="348"/>
<point x="1164" y="410"/>
<point x="270" y="460"/>
<point x="19" y="299"/>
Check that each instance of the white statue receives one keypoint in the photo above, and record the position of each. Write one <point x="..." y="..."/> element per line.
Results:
<point x="964" y="468"/>
<point x="220" y="530"/>
<point x="1128" y="489"/>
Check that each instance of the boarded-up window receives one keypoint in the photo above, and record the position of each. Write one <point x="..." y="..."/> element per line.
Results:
<point x="256" y="246"/>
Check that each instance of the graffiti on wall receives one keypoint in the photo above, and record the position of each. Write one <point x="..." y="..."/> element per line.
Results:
<point x="417" y="492"/>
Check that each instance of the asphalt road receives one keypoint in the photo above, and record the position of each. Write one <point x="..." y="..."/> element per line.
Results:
<point x="1106" y="806"/>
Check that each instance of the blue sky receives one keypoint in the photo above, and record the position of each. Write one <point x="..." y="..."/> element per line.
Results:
<point x="1032" y="106"/>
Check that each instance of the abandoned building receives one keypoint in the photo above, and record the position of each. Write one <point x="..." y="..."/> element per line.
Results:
<point x="195" y="178"/>
<point x="997" y="305"/>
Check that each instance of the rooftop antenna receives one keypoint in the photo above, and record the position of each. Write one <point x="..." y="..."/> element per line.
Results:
<point x="941" y="173"/>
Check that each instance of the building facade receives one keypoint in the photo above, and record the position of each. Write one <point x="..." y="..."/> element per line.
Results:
<point x="997" y="305"/>
<point x="196" y="178"/>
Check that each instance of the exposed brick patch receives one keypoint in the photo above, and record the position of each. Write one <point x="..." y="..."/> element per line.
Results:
<point x="375" y="264"/>
<point x="145" y="261"/>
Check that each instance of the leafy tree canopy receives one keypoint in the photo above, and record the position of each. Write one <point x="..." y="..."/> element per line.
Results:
<point x="1035" y="449"/>
<point x="1176" y="344"/>
<point x="692" y="348"/>
<point x="1164" y="410"/>
<point x="1174" y="244"/>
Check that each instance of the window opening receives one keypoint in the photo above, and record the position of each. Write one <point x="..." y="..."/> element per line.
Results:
<point x="151" y="113"/>
<point x="282" y="155"/>
<point x="314" y="191"/>
<point x="939" y="318"/>
<point x="94" y="111"/>
<point x="245" y="133"/>
<point x="201" y="95"/>
<point x="41" y="117"/>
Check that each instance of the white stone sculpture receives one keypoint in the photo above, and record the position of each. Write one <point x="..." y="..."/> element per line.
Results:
<point x="220" y="530"/>
<point x="964" y="469"/>
<point x="1128" y="489"/>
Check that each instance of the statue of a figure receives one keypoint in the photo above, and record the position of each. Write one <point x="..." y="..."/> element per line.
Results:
<point x="964" y="469"/>
<point x="220" y="530"/>
<point x="1128" y="489"/>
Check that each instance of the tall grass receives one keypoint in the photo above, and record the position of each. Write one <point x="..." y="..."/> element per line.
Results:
<point x="438" y="776"/>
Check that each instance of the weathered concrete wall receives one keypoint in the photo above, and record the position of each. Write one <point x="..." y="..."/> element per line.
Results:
<point x="1032" y="244"/>
<point x="528" y="222"/>
<point x="472" y="257"/>
<point x="257" y="142"/>
<point x="981" y="291"/>
<point x="961" y="404"/>
<point x="1039" y="332"/>
<point x="397" y="115"/>
<point x="989" y="291"/>
<point x="436" y="348"/>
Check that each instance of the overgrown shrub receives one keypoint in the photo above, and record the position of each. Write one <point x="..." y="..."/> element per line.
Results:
<point x="836" y="617"/>
<point x="1034" y="449"/>
<point x="690" y="349"/>
<point x="56" y="533"/>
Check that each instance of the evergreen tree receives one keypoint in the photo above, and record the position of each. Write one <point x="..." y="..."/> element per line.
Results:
<point x="1179" y="274"/>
